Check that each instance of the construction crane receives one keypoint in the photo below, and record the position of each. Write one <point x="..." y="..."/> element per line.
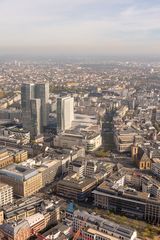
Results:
<point x="78" y="234"/>
<point x="39" y="236"/>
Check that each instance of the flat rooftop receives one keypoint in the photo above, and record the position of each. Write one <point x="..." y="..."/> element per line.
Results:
<point x="125" y="192"/>
<point x="19" y="172"/>
<point x="98" y="233"/>
<point x="3" y="186"/>
<point x="73" y="181"/>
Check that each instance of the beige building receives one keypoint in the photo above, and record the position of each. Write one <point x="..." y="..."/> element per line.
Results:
<point x="140" y="157"/>
<point x="18" y="231"/>
<point x="49" y="171"/>
<point x="125" y="138"/>
<point x="6" y="194"/>
<point x="1" y="216"/>
<point x="25" y="181"/>
<point x="20" y="156"/>
<point x="5" y="158"/>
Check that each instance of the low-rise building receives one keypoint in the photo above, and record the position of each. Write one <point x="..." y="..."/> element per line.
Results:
<point x="20" y="156"/>
<point x="15" y="231"/>
<point x="6" y="158"/>
<point x="155" y="168"/>
<point x="95" y="227"/>
<point x="25" y="208"/>
<point x="124" y="139"/>
<point x="75" y="187"/>
<point x="50" y="170"/>
<point x="115" y="194"/>
<point x="90" y="140"/>
<point x="25" y="181"/>
<point x="22" y="209"/>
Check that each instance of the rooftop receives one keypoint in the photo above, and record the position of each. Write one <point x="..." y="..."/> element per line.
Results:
<point x="78" y="182"/>
<point x="19" y="172"/>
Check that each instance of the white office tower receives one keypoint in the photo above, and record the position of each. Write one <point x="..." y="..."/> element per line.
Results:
<point x="65" y="113"/>
<point x="27" y="92"/>
<point x="42" y="92"/>
<point x="35" y="105"/>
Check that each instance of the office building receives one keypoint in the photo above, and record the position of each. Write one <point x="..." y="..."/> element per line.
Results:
<point x="27" y="92"/>
<point x="90" y="140"/>
<point x="119" y="194"/>
<point x="65" y="113"/>
<point x="6" y="194"/>
<point x="25" y="181"/>
<point x="42" y="92"/>
<point x="35" y="105"/>
<point x="50" y="170"/>
<point x="75" y="187"/>
<point x="35" y="110"/>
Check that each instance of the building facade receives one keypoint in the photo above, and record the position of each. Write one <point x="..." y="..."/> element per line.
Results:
<point x="35" y="107"/>
<point x="25" y="181"/>
<point x="6" y="194"/>
<point x="65" y="113"/>
<point x="42" y="92"/>
<point x="27" y="93"/>
<point x="6" y="158"/>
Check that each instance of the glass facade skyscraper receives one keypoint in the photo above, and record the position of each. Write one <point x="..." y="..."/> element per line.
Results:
<point x="35" y="110"/>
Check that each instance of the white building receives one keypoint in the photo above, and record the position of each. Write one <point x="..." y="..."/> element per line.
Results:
<point x="90" y="140"/>
<point x="65" y="113"/>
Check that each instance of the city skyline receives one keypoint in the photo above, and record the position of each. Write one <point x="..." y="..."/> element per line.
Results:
<point x="80" y="27"/>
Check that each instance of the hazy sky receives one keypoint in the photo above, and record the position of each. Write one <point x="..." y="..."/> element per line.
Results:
<point x="80" y="26"/>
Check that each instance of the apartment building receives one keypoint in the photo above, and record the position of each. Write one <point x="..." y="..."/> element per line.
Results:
<point x="6" y="194"/>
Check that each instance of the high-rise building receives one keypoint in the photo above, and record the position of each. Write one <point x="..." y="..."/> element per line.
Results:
<point x="27" y="92"/>
<point x="35" y="105"/>
<point x="65" y="113"/>
<point x="42" y="92"/>
<point x="35" y="111"/>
